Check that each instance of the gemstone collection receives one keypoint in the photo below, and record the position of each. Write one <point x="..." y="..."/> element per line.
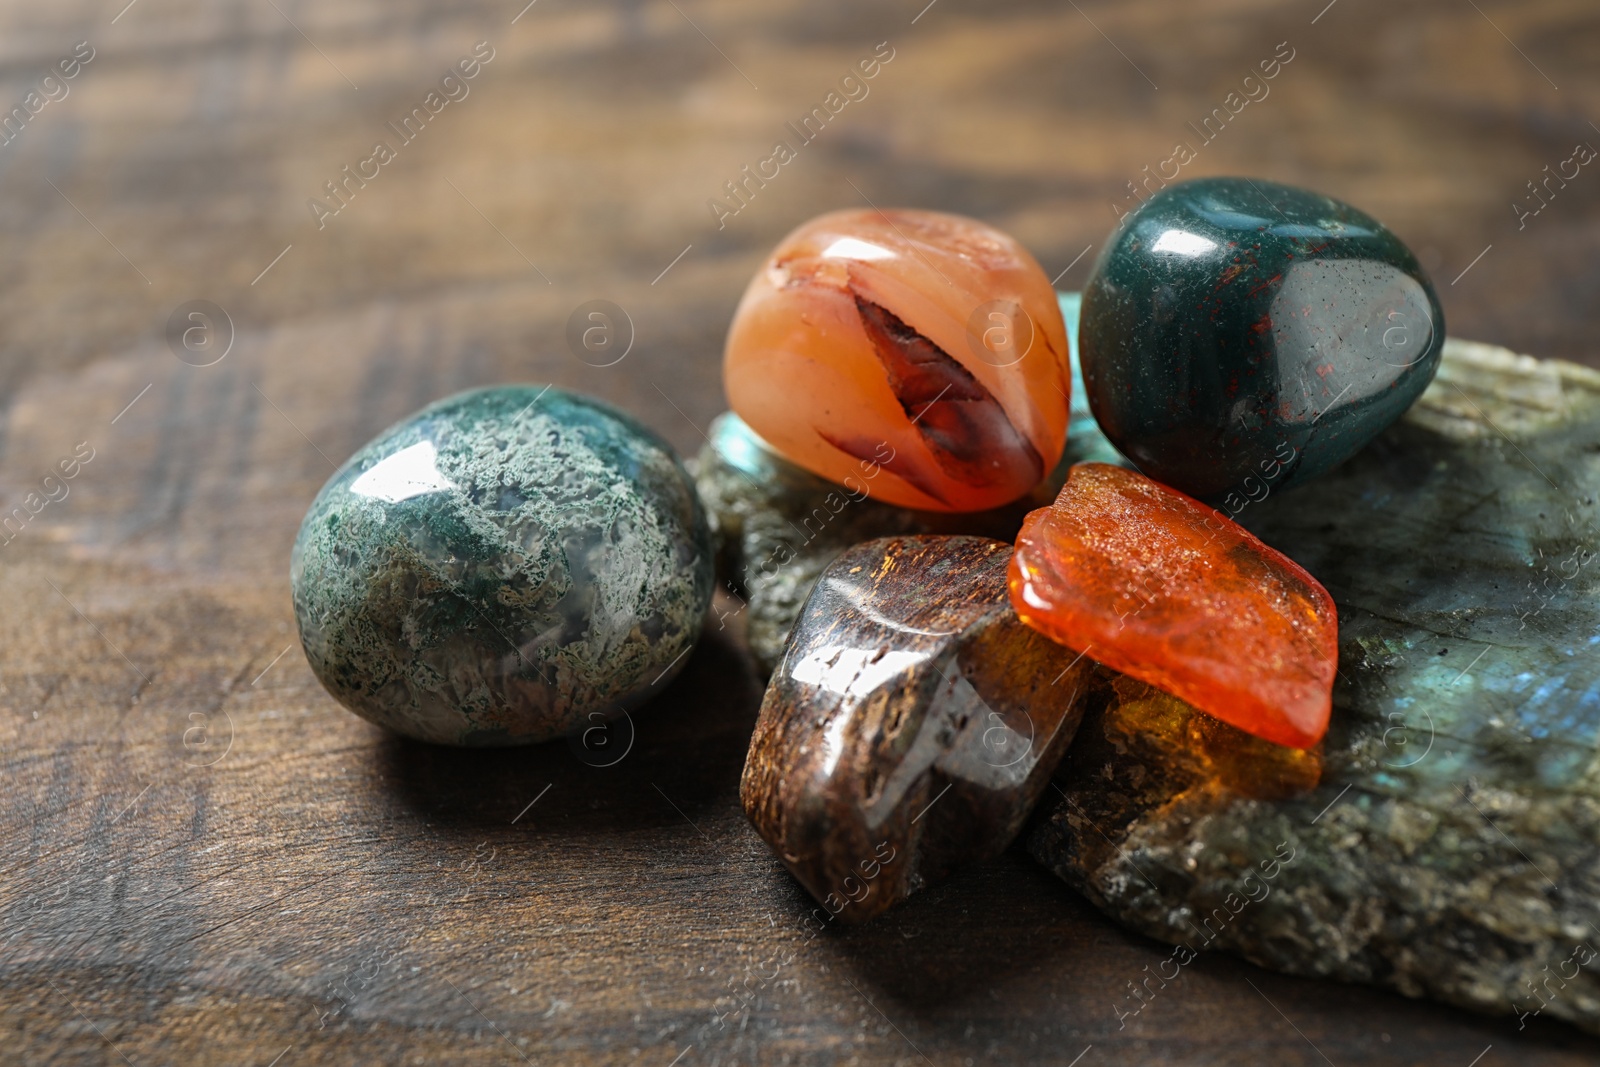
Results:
<point x="508" y="565"/>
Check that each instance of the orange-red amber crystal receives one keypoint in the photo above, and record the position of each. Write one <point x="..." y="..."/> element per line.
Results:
<point x="915" y="356"/>
<point x="1158" y="586"/>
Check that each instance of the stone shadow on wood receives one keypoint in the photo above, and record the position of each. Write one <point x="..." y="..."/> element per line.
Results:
<point x="687" y="749"/>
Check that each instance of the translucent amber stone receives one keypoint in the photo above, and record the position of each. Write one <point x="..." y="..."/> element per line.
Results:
<point x="1165" y="589"/>
<point x="917" y="357"/>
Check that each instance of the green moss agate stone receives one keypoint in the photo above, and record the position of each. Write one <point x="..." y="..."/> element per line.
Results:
<point x="502" y="567"/>
<point x="1240" y="336"/>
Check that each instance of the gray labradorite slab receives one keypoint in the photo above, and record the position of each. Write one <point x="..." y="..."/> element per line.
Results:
<point x="502" y="567"/>
<point x="776" y="525"/>
<point x="1451" y="849"/>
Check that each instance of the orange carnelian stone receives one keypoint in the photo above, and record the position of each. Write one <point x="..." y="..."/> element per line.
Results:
<point x="1158" y="586"/>
<point x="917" y="356"/>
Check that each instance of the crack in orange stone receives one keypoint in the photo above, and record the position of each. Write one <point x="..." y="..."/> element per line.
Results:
<point x="967" y="431"/>
<point x="1169" y="591"/>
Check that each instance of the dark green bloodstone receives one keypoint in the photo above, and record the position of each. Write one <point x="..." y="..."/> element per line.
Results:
<point x="1240" y="336"/>
<point x="503" y="567"/>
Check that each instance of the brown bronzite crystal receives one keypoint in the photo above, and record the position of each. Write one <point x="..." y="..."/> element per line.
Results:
<point x="911" y="724"/>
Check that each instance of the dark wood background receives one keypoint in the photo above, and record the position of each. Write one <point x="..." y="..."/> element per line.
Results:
<point x="206" y="860"/>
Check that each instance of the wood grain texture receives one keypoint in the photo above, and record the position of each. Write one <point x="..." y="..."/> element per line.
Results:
<point x="290" y="882"/>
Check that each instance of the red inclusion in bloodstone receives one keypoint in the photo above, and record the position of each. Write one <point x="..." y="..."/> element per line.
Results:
<point x="1165" y="589"/>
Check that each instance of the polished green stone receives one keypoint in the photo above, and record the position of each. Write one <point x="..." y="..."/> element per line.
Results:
<point x="502" y="567"/>
<point x="1240" y="336"/>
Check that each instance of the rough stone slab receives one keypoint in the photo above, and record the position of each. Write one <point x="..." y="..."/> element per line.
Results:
<point x="1452" y="847"/>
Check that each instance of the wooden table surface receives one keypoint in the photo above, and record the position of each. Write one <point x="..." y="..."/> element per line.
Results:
<point x="207" y="860"/>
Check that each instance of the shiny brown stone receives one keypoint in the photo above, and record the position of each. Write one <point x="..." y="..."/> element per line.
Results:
<point x="911" y="724"/>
